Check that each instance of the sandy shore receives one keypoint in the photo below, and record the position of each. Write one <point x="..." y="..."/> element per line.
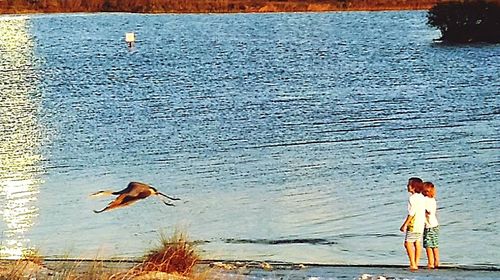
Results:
<point x="213" y="269"/>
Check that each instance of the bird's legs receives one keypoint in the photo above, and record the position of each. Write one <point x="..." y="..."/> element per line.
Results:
<point x="166" y="203"/>
<point x="169" y="197"/>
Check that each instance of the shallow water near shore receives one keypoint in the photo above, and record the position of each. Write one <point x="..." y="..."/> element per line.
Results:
<point x="288" y="137"/>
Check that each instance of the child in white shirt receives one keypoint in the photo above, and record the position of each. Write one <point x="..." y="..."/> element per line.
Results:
<point x="414" y="223"/>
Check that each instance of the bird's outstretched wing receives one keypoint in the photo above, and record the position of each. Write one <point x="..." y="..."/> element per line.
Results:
<point x="121" y="201"/>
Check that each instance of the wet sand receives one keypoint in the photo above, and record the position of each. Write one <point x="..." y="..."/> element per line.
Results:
<point x="378" y="272"/>
<point x="214" y="269"/>
<point x="332" y="271"/>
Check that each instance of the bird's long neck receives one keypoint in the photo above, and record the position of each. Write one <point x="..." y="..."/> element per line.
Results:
<point x="102" y="193"/>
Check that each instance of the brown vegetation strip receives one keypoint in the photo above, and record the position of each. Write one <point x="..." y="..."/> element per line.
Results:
<point x="209" y="6"/>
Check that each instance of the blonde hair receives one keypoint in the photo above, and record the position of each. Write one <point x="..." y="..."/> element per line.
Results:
<point x="429" y="190"/>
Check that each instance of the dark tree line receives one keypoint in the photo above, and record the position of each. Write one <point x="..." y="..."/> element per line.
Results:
<point x="467" y="21"/>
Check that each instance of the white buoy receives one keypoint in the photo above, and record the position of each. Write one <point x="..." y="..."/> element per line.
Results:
<point x="130" y="39"/>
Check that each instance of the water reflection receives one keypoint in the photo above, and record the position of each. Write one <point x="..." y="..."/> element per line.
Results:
<point x="19" y="129"/>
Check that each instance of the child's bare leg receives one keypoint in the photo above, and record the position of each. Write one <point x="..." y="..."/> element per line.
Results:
<point x="409" y="246"/>
<point x="418" y="252"/>
<point x="436" y="256"/>
<point x="430" y="257"/>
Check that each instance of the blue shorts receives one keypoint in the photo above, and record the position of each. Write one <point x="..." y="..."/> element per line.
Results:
<point x="431" y="237"/>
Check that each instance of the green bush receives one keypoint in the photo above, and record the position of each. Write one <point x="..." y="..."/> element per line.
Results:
<point x="466" y="21"/>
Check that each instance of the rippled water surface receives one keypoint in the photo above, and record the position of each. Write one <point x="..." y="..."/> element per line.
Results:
<point x="287" y="136"/>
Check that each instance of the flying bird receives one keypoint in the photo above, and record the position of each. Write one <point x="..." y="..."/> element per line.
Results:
<point x="132" y="193"/>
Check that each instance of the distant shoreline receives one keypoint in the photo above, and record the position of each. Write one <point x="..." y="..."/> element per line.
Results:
<point x="211" y="7"/>
<point x="29" y="12"/>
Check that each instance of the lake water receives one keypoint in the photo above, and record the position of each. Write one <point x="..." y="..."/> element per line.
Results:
<point x="288" y="137"/>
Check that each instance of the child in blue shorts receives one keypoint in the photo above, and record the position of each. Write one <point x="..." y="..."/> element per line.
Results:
<point x="431" y="231"/>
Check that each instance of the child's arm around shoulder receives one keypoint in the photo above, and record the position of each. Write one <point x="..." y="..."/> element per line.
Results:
<point x="404" y="226"/>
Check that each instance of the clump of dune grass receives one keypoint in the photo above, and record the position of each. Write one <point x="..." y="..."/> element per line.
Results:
<point x="32" y="255"/>
<point x="28" y="265"/>
<point x="67" y="268"/>
<point x="32" y="265"/>
<point x="175" y="255"/>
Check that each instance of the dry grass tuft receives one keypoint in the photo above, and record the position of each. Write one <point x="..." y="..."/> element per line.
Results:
<point x="30" y="264"/>
<point x="174" y="255"/>
<point x="175" y="258"/>
<point x="32" y="255"/>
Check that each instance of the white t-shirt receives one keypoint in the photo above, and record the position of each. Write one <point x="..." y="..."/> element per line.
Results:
<point x="431" y="207"/>
<point x="416" y="208"/>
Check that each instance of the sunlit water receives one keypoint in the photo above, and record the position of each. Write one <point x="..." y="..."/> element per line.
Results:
<point x="287" y="136"/>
